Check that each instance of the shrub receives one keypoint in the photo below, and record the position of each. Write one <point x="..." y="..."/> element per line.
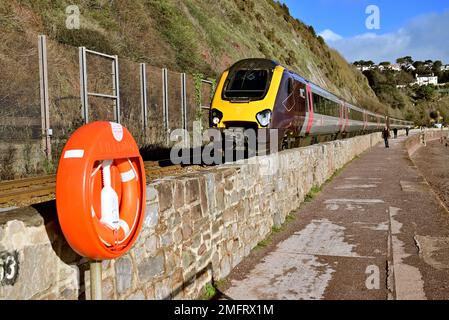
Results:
<point x="7" y="163"/>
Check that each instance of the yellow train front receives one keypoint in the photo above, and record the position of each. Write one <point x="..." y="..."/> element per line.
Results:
<point x="261" y="94"/>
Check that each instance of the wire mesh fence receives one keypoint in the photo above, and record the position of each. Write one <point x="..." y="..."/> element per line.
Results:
<point x="20" y="113"/>
<point x="64" y="96"/>
<point x="23" y="130"/>
<point x="130" y="99"/>
<point x="156" y="128"/>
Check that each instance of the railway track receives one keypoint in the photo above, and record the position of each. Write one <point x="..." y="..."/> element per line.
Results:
<point x="32" y="189"/>
<point x="36" y="187"/>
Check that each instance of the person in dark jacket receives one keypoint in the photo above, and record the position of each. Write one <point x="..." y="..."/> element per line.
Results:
<point x="395" y="130"/>
<point x="386" y="136"/>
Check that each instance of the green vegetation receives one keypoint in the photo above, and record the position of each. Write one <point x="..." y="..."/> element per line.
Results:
<point x="7" y="163"/>
<point x="422" y="104"/>
<point x="276" y="229"/>
<point x="264" y="243"/>
<point x="209" y="292"/>
<point x="193" y="36"/>
<point x="313" y="193"/>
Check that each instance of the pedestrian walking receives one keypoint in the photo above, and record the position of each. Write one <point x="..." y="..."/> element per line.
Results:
<point x="395" y="130"/>
<point x="386" y="136"/>
<point x="423" y="138"/>
<point x="407" y="131"/>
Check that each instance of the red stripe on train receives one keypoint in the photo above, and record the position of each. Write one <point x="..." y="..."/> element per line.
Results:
<point x="310" y="123"/>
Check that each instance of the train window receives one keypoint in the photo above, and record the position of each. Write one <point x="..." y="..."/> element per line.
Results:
<point x="335" y="107"/>
<point x="319" y="104"/>
<point x="325" y="106"/>
<point x="248" y="84"/>
<point x="356" y="115"/>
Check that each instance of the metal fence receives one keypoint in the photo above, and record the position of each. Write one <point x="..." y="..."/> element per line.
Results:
<point x="50" y="89"/>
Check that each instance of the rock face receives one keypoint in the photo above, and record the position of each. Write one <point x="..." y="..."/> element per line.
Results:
<point x="197" y="228"/>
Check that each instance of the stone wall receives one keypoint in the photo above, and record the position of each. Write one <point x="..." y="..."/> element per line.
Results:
<point x="415" y="142"/>
<point x="197" y="228"/>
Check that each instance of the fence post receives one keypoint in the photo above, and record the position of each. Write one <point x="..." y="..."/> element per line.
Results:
<point x="184" y="100"/>
<point x="144" y="97"/>
<point x="83" y="84"/>
<point x="45" y="106"/>
<point x="165" y="102"/>
<point x="116" y="86"/>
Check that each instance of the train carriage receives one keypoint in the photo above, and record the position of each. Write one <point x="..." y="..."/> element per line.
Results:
<point x="261" y="94"/>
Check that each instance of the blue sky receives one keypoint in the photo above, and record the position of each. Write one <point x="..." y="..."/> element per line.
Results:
<point x="419" y="28"/>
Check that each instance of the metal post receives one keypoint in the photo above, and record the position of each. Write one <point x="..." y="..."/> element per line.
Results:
<point x="95" y="280"/>
<point x="184" y="106"/>
<point x="45" y="106"/>
<point x="165" y="100"/>
<point x="184" y="100"/>
<point x="144" y="97"/>
<point x="116" y="88"/>
<point x="83" y="84"/>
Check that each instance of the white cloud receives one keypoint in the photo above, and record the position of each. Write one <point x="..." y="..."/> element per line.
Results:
<point x="329" y="35"/>
<point x="423" y="38"/>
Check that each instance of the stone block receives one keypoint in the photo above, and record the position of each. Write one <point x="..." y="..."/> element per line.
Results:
<point x="188" y="258"/>
<point x="151" y="194"/>
<point x="203" y="197"/>
<point x="124" y="274"/>
<point x="187" y="231"/>
<point x="165" y="195"/>
<point x="151" y="215"/>
<point x="192" y="191"/>
<point x="151" y="267"/>
<point x="108" y="290"/>
<point x="162" y="289"/>
<point x="152" y="245"/>
<point x="179" y="195"/>
<point x="138" y="295"/>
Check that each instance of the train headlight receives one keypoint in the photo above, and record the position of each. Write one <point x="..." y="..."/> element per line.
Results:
<point x="264" y="118"/>
<point x="215" y="117"/>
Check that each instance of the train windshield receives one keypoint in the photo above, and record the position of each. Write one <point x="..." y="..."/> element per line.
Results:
<point x="248" y="84"/>
<point x="249" y="80"/>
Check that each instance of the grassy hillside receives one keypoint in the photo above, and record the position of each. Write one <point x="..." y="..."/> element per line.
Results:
<point x="191" y="36"/>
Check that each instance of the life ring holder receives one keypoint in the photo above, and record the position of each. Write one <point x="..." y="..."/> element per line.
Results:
<point x="100" y="191"/>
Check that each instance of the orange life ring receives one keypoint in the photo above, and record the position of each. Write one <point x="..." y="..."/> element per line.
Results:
<point x="129" y="205"/>
<point x="100" y="191"/>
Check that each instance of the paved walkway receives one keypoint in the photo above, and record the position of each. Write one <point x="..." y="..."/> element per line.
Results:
<point x="377" y="231"/>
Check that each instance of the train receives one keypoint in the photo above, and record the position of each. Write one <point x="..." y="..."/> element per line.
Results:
<point x="261" y="94"/>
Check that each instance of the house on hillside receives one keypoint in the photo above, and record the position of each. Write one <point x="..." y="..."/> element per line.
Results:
<point x="364" y="68"/>
<point x="407" y="66"/>
<point x="395" y="67"/>
<point x="426" y="80"/>
<point x="391" y="67"/>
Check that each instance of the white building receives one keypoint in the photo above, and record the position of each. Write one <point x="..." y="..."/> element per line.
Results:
<point x="392" y="67"/>
<point x="426" y="80"/>
<point x="395" y="67"/>
<point x="445" y="67"/>
<point x="364" y="68"/>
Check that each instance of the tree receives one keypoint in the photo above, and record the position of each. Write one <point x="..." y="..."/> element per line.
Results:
<point x="364" y="63"/>
<point x="424" y="92"/>
<point x="404" y="78"/>
<point x="385" y="64"/>
<point x="405" y="60"/>
<point x="436" y="68"/>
